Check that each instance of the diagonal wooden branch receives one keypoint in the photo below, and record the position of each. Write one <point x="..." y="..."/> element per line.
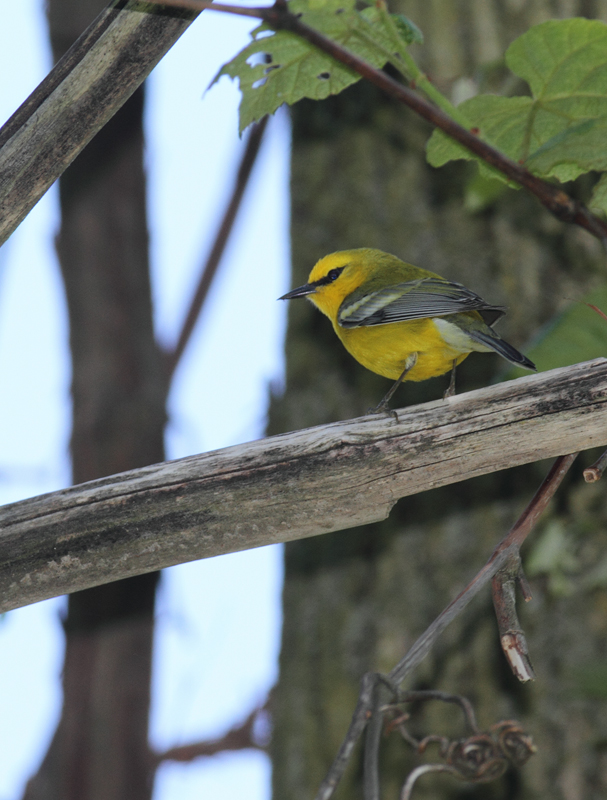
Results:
<point x="80" y="94"/>
<point x="291" y="486"/>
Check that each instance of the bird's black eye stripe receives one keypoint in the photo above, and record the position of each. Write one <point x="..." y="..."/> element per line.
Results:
<point x="332" y="275"/>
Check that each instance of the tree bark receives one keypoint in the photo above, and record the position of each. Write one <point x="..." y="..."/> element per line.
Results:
<point x="100" y="748"/>
<point x="354" y="601"/>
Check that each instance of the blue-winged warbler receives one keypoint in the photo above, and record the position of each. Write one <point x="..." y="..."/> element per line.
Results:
<point x="400" y="321"/>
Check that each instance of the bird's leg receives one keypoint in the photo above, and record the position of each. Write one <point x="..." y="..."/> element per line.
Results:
<point x="383" y="406"/>
<point x="450" y="390"/>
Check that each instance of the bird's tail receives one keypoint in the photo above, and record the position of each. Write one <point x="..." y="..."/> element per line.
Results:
<point x="503" y="348"/>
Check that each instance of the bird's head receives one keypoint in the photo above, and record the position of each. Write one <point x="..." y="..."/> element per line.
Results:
<point x="336" y="276"/>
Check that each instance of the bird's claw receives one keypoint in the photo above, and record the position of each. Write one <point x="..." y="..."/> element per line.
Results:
<point x="382" y="408"/>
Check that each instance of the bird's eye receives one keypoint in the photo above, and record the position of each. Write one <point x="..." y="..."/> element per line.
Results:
<point x="332" y="275"/>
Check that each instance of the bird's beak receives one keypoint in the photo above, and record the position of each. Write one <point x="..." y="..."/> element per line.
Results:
<point x="301" y="291"/>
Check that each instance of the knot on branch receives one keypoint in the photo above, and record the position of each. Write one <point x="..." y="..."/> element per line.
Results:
<point x="563" y="206"/>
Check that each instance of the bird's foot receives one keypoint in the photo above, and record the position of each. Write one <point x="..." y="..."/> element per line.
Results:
<point x="383" y="408"/>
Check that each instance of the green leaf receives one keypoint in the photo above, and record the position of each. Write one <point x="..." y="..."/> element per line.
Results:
<point x="565" y="64"/>
<point x="281" y="67"/>
<point x="578" y="334"/>
<point x="503" y="125"/>
<point x="570" y="153"/>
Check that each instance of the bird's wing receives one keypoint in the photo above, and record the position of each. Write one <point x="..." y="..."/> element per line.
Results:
<point x="428" y="297"/>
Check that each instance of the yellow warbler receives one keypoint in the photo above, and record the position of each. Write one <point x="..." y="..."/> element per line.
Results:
<point x="400" y="321"/>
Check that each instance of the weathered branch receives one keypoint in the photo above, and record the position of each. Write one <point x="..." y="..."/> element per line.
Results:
<point x="291" y="486"/>
<point x="80" y="94"/>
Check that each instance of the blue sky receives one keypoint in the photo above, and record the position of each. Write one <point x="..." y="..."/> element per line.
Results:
<point x="218" y="620"/>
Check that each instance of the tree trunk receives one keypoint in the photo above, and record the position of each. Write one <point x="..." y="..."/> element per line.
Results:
<point x="100" y="749"/>
<point x="355" y="601"/>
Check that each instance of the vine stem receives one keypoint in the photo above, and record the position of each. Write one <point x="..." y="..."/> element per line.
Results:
<point x="557" y="201"/>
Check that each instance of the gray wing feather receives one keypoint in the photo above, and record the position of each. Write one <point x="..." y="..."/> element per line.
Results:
<point x="428" y="297"/>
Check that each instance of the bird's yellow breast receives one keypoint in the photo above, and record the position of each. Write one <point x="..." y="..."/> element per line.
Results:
<point x="384" y="348"/>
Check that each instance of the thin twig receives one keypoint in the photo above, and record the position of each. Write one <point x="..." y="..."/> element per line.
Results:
<point x="210" y="268"/>
<point x="526" y="522"/>
<point x="512" y="636"/>
<point x="357" y="725"/>
<point x="595" y="472"/>
<point x="241" y="737"/>
<point x="597" y="310"/>
<point x="423" y="769"/>
<point x="371" y="790"/>
<point x="558" y="202"/>
<point x="444" y="697"/>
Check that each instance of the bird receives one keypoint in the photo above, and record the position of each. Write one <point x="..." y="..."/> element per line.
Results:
<point x="401" y="321"/>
